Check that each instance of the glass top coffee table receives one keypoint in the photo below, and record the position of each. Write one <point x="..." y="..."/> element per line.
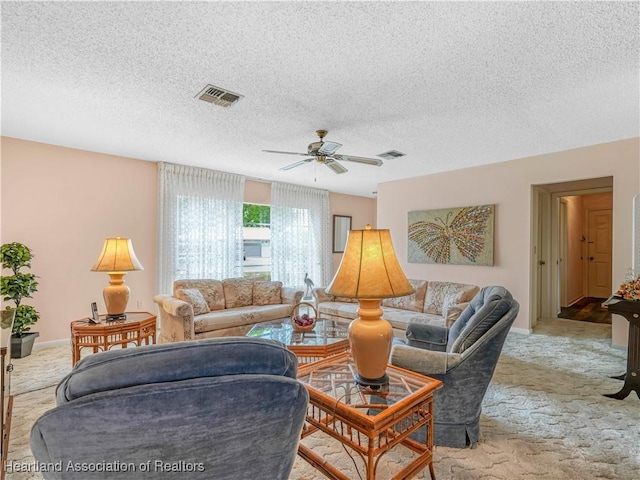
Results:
<point x="327" y="338"/>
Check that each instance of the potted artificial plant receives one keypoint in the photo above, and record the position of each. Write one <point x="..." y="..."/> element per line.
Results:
<point x="15" y="256"/>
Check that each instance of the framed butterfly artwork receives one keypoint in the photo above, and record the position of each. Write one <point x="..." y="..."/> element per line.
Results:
<point x="455" y="236"/>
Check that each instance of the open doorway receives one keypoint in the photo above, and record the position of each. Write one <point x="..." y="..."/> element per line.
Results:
<point x="572" y="243"/>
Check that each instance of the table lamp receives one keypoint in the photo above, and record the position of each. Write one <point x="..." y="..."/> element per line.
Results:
<point x="369" y="271"/>
<point x="117" y="258"/>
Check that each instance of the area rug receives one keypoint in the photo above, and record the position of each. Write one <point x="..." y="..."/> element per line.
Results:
<point x="544" y="416"/>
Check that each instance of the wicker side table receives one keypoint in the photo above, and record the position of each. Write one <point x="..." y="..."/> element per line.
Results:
<point x="138" y="328"/>
<point x="368" y="422"/>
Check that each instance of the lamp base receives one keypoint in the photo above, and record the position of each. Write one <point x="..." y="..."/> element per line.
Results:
<point x="373" y="383"/>
<point x="370" y="339"/>
<point x="116" y="296"/>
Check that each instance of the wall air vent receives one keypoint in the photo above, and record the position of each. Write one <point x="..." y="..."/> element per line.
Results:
<point x="218" y="96"/>
<point x="391" y="154"/>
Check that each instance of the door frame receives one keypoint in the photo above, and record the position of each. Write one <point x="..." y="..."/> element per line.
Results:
<point x="563" y="249"/>
<point x="544" y="284"/>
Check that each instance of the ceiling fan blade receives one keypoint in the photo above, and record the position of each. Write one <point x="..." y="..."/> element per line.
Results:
<point x="335" y="166"/>
<point x="328" y="148"/>
<point x="297" y="164"/>
<point x="367" y="161"/>
<point x="287" y="153"/>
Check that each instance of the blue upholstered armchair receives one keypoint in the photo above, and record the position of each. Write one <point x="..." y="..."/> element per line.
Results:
<point x="220" y="408"/>
<point x="464" y="358"/>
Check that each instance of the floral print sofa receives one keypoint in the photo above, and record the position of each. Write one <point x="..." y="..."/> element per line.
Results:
<point x="217" y="308"/>
<point x="433" y="303"/>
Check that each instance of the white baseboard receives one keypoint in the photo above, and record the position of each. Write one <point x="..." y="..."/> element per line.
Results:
<point x="526" y="331"/>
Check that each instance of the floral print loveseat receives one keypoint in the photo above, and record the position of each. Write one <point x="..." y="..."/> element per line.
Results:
<point x="434" y="303"/>
<point x="217" y="308"/>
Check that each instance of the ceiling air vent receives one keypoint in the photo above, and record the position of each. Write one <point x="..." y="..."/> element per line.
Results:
<point x="219" y="96"/>
<point x="391" y="154"/>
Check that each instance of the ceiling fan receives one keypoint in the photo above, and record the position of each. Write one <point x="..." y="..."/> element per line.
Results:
<point x="325" y="152"/>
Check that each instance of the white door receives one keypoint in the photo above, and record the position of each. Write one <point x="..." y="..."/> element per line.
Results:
<point x="599" y="226"/>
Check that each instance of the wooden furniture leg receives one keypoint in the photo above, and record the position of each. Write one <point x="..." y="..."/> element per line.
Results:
<point x="631" y="312"/>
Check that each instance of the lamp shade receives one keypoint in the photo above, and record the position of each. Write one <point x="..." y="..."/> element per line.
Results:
<point x="369" y="271"/>
<point x="369" y="268"/>
<point x="117" y="256"/>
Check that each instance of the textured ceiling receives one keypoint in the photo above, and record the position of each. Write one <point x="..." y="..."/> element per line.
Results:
<point x="451" y="85"/>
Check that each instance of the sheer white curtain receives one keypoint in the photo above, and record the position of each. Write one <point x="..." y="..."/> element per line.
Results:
<point x="300" y="234"/>
<point x="199" y="224"/>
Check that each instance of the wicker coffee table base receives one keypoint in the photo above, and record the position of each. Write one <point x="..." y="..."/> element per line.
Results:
<point x="369" y="422"/>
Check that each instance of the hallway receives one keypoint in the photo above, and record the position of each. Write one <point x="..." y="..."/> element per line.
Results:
<point x="588" y="309"/>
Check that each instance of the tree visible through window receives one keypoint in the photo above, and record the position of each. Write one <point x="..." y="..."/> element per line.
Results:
<point x="256" y="239"/>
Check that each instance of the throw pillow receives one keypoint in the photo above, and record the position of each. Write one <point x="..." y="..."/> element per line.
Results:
<point x="267" y="293"/>
<point x="195" y="298"/>
<point x="238" y="292"/>
<point x="451" y="310"/>
<point x="413" y="302"/>
<point x="438" y="291"/>
<point x="211" y="290"/>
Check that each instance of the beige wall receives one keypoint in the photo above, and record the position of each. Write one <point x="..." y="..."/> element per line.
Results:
<point x="362" y="211"/>
<point x="76" y="198"/>
<point x="63" y="203"/>
<point x="508" y="185"/>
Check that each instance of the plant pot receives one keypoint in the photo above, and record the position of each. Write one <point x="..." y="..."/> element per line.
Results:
<point x="21" y="346"/>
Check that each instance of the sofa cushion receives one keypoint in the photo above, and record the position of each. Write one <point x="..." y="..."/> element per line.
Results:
<point x="345" y="299"/>
<point x="238" y="292"/>
<point x="235" y="317"/>
<point x="438" y="292"/>
<point x="211" y="290"/>
<point x="195" y="298"/>
<point x="267" y="293"/>
<point x="398" y="318"/>
<point x="413" y="302"/>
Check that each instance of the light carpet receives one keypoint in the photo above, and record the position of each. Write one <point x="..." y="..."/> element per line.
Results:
<point x="544" y="416"/>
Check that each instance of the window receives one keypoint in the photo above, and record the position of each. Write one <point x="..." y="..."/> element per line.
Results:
<point x="300" y="239"/>
<point x="199" y="224"/>
<point x="256" y="241"/>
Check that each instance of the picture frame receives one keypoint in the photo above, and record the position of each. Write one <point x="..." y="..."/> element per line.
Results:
<point x="341" y="227"/>
<point x="451" y="236"/>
